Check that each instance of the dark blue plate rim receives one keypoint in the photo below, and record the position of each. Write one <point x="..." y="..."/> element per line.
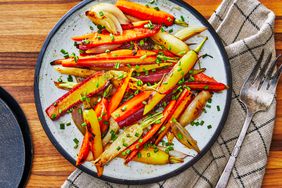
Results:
<point x="19" y="114"/>
<point x="149" y="180"/>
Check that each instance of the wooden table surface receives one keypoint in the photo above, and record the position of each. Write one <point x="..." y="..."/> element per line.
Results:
<point x="24" y="25"/>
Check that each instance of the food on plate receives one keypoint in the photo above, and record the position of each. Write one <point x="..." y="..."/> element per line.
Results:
<point x="132" y="85"/>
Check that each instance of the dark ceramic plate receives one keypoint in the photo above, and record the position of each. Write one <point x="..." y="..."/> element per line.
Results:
<point x="15" y="143"/>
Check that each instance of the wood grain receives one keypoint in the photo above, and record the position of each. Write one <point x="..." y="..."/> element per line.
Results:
<point x="24" y="26"/>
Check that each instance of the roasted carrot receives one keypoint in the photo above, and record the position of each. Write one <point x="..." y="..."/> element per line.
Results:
<point x="89" y="87"/>
<point x="184" y="99"/>
<point x="96" y="39"/>
<point x="111" y="57"/>
<point x="137" y="145"/>
<point x="103" y="115"/>
<point x="117" y="97"/>
<point x="84" y="150"/>
<point x="115" y="55"/>
<point x="209" y="86"/>
<point x="138" y="24"/>
<point x="92" y="123"/>
<point x="178" y="72"/>
<point x="130" y="106"/>
<point x="201" y="77"/>
<point x="145" y="13"/>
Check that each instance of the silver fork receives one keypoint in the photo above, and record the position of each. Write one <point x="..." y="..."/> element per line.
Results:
<point x="256" y="94"/>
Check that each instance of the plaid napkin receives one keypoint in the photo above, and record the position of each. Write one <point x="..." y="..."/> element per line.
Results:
<point x="245" y="28"/>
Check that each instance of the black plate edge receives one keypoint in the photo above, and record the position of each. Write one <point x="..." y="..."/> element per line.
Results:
<point x="150" y="180"/>
<point x="19" y="114"/>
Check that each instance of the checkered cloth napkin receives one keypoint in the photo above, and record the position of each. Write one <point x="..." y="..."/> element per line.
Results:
<point x="245" y="28"/>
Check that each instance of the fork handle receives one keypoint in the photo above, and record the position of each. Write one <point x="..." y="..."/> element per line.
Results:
<point x="223" y="180"/>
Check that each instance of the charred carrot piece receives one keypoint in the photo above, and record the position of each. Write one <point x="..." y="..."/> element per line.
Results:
<point x="130" y="106"/>
<point x="209" y="86"/>
<point x="103" y="115"/>
<point x="89" y="87"/>
<point x="104" y="57"/>
<point x="92" y="123"/>
<point x="84" y="150"/>
<point x="123" y="57"/>
<point x="201" y="77"/>
<point x="145" y="13"/>
<point x="184" y="99"/>
<point x="96" y="39"/>
<point x="135" y="148"/>
<point x="117" y="97"/>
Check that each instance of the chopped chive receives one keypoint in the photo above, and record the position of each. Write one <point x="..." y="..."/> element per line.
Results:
<point x="174" y="120"/>
<point x="123" y="153"/>
<point x="112" y="37"/>
<point x="170" y="31"/>
<point x="70" y="79"/>
<point x="62" y="126"/>
<point x="140" y="140"/>
<point x="157" y="8"/>
<point x="91" y="27"/>
<point x="202" y="122"/>
<point x="148" y="155"/>
<point x="210" y="100"/>
<point x="107" y="51"/>
<point x="206" y="87"/>
<point x="182" y="18"/>
<point x="117" y="65"/>
<point x="209" y="126"/>
<point x="162" y="29"/>
<point x="137" y="67"/>
<point x="125" y="144"/>
<point x="180" y="136"/>
<point x="123" y="108"/>
<point x="83" y="124"/>
<point x="144" y="102"/>
<point x="143" y="56"/>
<point x="137" y="134"/>
<point x="101" y="13"/>
<point x="118" y="148"/>
<point x="139" y="83"/>
<point x="68" y="124"/>
<point x="76" y="141"/>
<point x="208" y="106"/>
<point x="53" y="116"/>
<point x="218" y="108"/>
<point x="141" y="43"/>
<point x="60" y="79"/>
<point x="139" y="155"/>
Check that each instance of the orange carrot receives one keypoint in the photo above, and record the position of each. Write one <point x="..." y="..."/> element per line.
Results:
<point x="117" y="97"/>
<point x="137" y="145"/>
<point x="145" y="13"/>
<point x="184" y="99"/>
<point x="209" y="86"/>
<point x="85" y="148"/>
<point x="201" y="77"/>
<point x="130" y="106"/>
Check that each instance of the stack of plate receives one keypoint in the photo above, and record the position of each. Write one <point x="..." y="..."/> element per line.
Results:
<point x="15" y="143"/>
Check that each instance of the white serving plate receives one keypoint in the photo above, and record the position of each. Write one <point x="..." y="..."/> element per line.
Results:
<point x="76" y="23"/>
